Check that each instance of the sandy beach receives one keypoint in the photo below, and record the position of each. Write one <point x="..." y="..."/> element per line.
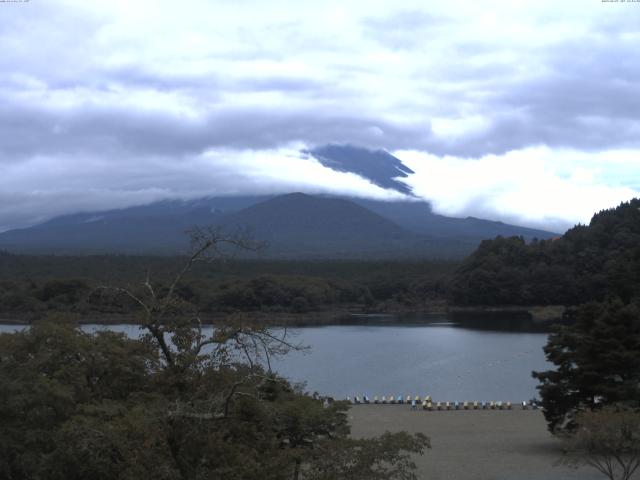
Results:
<point x="474" y="444"/>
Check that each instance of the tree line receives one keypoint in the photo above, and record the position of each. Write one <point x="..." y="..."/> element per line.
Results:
<point x="31" y="286"/>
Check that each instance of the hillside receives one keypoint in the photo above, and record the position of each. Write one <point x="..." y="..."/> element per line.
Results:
<point x="158" y="228"/>
<point x="303" y="225"/>
<point x="294" y="226"/>
<point x="587" y="263"/>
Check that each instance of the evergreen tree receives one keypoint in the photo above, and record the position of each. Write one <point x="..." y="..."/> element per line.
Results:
<point x="597" y="363"/>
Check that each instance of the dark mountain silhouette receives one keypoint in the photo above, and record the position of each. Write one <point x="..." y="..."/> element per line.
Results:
<point x="156" y="228"/>
<point x="377" y="166"/>
<point x="293" y="225"/>
<point x="297" y="225"/>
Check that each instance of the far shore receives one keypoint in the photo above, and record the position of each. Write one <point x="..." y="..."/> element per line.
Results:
<point x="474" y="444"/>
<point x="537" y="315"/>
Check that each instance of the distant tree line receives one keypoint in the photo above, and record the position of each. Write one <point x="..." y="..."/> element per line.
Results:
<point x="34" y="285"/>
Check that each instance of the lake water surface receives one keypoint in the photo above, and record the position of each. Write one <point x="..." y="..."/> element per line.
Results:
<point x="438" y="358"/>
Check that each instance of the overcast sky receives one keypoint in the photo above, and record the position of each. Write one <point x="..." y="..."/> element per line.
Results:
<point x="527" y="111"/>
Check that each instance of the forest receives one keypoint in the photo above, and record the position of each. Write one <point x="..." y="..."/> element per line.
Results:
<point x="589" y="262"/>
<point x="32" y="286"/>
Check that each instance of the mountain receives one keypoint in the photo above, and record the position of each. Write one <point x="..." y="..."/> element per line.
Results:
<point x="158" y="228"/>
<point x="378" y="166"/>
<point x="294" y="225"/>
<point x="302" y="225"/>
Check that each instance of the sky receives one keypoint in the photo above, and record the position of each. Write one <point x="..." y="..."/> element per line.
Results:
<point x="526" y="112"/>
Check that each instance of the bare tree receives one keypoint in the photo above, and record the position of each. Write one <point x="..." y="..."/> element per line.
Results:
<point x="607" y="440"/>
<point x="174" y="324"/>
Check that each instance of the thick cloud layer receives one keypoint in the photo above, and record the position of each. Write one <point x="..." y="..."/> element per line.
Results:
<point x="105" y="104"/>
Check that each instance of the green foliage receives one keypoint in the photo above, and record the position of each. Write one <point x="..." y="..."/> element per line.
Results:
<point x="77" y="406"/>
<point x="586" y="264"/>
<point x="273" y="293"/>
<point x="65" y="291"/>
<point x="597" y="363"/>
<point x="49" y="374"/>
<point x="30" y="285"/>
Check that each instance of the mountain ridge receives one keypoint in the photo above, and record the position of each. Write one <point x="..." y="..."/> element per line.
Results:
<point x="296" y="225"/>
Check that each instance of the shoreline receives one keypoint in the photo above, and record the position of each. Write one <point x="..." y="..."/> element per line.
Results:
<point x="537" y="317"/>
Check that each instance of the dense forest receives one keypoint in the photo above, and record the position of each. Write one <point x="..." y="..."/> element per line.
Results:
<point x="587" y="263"/>
<point x="32" y="286"/>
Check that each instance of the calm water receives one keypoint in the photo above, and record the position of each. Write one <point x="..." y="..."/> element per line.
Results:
<point x="440" y="359"/>
<point x="444" y="361"/>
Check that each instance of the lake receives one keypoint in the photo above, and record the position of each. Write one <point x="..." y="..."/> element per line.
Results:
<point x="438" y="358"/>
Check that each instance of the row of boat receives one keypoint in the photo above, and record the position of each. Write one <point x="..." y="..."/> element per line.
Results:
<point x="428" y="404"/>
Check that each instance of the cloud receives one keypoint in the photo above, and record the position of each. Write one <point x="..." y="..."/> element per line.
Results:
<point x="113" y="100"/>
<point x="47" y="186"/>
<point x="537" y="187"/>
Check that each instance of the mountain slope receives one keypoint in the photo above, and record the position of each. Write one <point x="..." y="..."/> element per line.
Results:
<point x="157" y="228"/>
<point x="299" y="224"/>
<point x="294" y="225"/>
<point x="312" y="217"/>
<point x="377" y="166"/>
